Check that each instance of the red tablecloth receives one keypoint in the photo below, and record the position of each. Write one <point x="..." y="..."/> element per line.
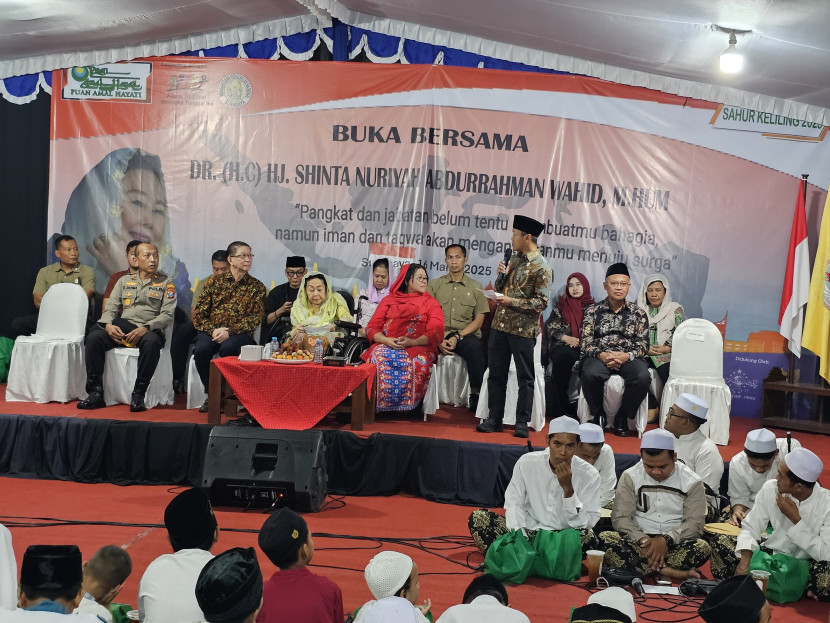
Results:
<point x="293" y="397"/>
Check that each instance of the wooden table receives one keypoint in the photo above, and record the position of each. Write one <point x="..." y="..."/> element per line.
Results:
<point x="282" y="396"/>
<point x="777" y="391"/>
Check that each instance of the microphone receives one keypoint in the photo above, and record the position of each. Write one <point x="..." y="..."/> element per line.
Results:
<point x="789" y="441"/>
<point x="637" y="584"/>
<point x="529" y="446"/>
<point x="508" y="253"/>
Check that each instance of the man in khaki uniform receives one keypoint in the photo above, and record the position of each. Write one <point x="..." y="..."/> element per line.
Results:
<point x="138" y="311"/>
<point x="464" y="306"/>
<point x="66" y="270"/>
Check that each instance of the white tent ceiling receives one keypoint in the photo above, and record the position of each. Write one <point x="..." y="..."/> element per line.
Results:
<point x="670" y="45"/>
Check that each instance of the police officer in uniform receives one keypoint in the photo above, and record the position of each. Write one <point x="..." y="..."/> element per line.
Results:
<point x="138" y="311"/>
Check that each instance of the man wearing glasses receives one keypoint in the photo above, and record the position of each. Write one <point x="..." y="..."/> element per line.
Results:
<point x="696" y="450"/>
<point x="614" y="340"/>
<point x="277" y="321"/>
<point x="228" y="312"/>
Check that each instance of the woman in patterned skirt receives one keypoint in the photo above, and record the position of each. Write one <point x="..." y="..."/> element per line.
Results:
<point x="406" y="329"/>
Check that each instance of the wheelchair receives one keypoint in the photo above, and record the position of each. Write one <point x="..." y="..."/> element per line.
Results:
<point x="350" y="345"/>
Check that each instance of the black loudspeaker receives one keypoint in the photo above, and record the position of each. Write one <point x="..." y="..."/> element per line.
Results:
<point x="258" y="468"/>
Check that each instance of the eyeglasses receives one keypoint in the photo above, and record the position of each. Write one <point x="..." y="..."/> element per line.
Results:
<point x="671" y="413"/>
<point x="619" y="284"/>
<point x="294" y="273"/>
<point x="245" y="256"/>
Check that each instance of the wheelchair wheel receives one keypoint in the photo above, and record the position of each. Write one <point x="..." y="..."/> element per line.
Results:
<point x="356" y="347"/>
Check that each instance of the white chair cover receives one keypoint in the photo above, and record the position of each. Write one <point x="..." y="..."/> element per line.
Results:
<point x="196" y="394"/>
<point x="611" y="401"/>
<point x="49" y="365"/>
<point x="537" y="414"/>
<point x="121" y="367"/>
<point x="448" y="384"/>
<point x="8" y="570"/>
<point x="697" y="368"/>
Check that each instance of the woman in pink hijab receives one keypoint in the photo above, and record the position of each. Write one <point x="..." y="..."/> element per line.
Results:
<point x="562" y="331"/>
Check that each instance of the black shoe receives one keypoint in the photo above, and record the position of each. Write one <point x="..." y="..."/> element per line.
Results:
<point x="95" y="400"/>
<point x="204" y="407"/>
<point x="245" y="420"/>
<point x="621" y="431"/>
<point x="137" y="403"/>
<point x="178" y="387"/>
<point x="489" y="426"/>
<point x="521" y="431"/>
<point x="473" y="402"/>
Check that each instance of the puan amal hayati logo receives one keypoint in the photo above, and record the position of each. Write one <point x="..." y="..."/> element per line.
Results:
<point x="235" y="90"/>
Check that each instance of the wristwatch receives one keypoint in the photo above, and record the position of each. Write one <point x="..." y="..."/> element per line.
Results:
<point x="669" y="540"/>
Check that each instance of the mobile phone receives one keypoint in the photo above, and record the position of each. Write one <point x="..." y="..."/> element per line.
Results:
<point x="663" y="582"/>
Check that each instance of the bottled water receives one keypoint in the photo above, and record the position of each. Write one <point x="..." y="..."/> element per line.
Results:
<point x="318" y="351"/>
<point x="273" y="347"/>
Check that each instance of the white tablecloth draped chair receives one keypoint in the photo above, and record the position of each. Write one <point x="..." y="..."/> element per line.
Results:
<point x="120" y="369"/>
<point x="449" y="383"/>
<point x="537" y="414"/>
<point x="49" y="365"/>
<point x="697" y="368"/>
<point x="611" y="401"/>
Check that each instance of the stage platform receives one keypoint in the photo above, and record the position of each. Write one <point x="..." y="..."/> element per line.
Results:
<point x="442" y="459"/>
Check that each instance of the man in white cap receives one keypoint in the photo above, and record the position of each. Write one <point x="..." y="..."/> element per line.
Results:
<point x="550" y="490"/>
<point x="611" y="605"/>
<point x="696" y="450"/>
<point x="658" y="514"/>
<point x="798" y="509"/>
<point x="593" y="449"/>
<point x="748" y="471"/>
<point x="392" y="577"/>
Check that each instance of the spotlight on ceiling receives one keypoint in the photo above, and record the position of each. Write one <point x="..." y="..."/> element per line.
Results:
<point x="731" y="61"/>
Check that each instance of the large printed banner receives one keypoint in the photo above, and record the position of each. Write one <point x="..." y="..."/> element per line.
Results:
<point x="340" y="162"/>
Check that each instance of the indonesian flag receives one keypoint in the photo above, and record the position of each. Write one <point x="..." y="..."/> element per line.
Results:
<point x="796" y="279"/>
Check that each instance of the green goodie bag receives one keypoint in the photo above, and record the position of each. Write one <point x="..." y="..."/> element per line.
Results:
<point x="510" y="557"/>
<point x="788" y="576"/>
<point x="558" y="555"/>
<point x="6" y="346"/>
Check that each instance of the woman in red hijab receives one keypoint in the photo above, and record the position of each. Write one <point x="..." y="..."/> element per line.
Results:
<point x="406" y="329"/>
<point x="562" y="330"/>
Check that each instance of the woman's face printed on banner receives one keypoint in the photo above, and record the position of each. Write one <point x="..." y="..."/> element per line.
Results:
<point x="143" y="206"/>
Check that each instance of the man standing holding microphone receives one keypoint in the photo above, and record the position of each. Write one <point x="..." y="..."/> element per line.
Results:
<point x="525" y="283"/>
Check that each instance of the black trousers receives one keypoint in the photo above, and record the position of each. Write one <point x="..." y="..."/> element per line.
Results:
<point x="501" y="347"/>
<point x="562" y="360"/>
<point x="98" y="342"/>
<point x="204" y="348"/>
<point x="594" y="374"/>
<point x="471" y="350"/>
<point x="24" y="325"/>
<point x="663" y="373"/>
<point x="183" y="334"/>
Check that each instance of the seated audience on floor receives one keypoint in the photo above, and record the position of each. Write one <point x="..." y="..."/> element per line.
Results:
<point x="229" y="587"/>
<point x="464" y="305"/>
<point x="614" y="340"/>
<point x="798" y="510"/>
<point x="525" y="283"/>
<point x="132" y="266"/>
<point x="380" y="279"/>
<point x="551" y="489"/>
<point x="392" y="578"/>
<point x="104" y="577"/>
<point x="658" y="514"/>
<point x="277" y="322"/>
<point x="749" y="470"/>
<point x="405" y="331"/>
<point x="484" y="600"/>
<point x="166" y="591"/>
<point x="562" y="331"/>
<point x="735" y="599"/>
<point x="611" y="605"/>
<point x="315" y="312"/>
<point x="664" y="316"/>
<point x="50" y="586"/>
<point x="294" y="593"/>
<point x="8" y="570"/>
<point x="66" y="270"/>
<point x="700" y="454"/>
<point x="228" y="312"/>
<point x="138" y="311"/>
<point x="593" y="449"/>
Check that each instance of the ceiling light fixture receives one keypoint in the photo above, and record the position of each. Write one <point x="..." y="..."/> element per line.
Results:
<point x="731" y="60"/>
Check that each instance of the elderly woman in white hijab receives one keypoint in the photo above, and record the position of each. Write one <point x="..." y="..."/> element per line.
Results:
<point x="664" y="315"/>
